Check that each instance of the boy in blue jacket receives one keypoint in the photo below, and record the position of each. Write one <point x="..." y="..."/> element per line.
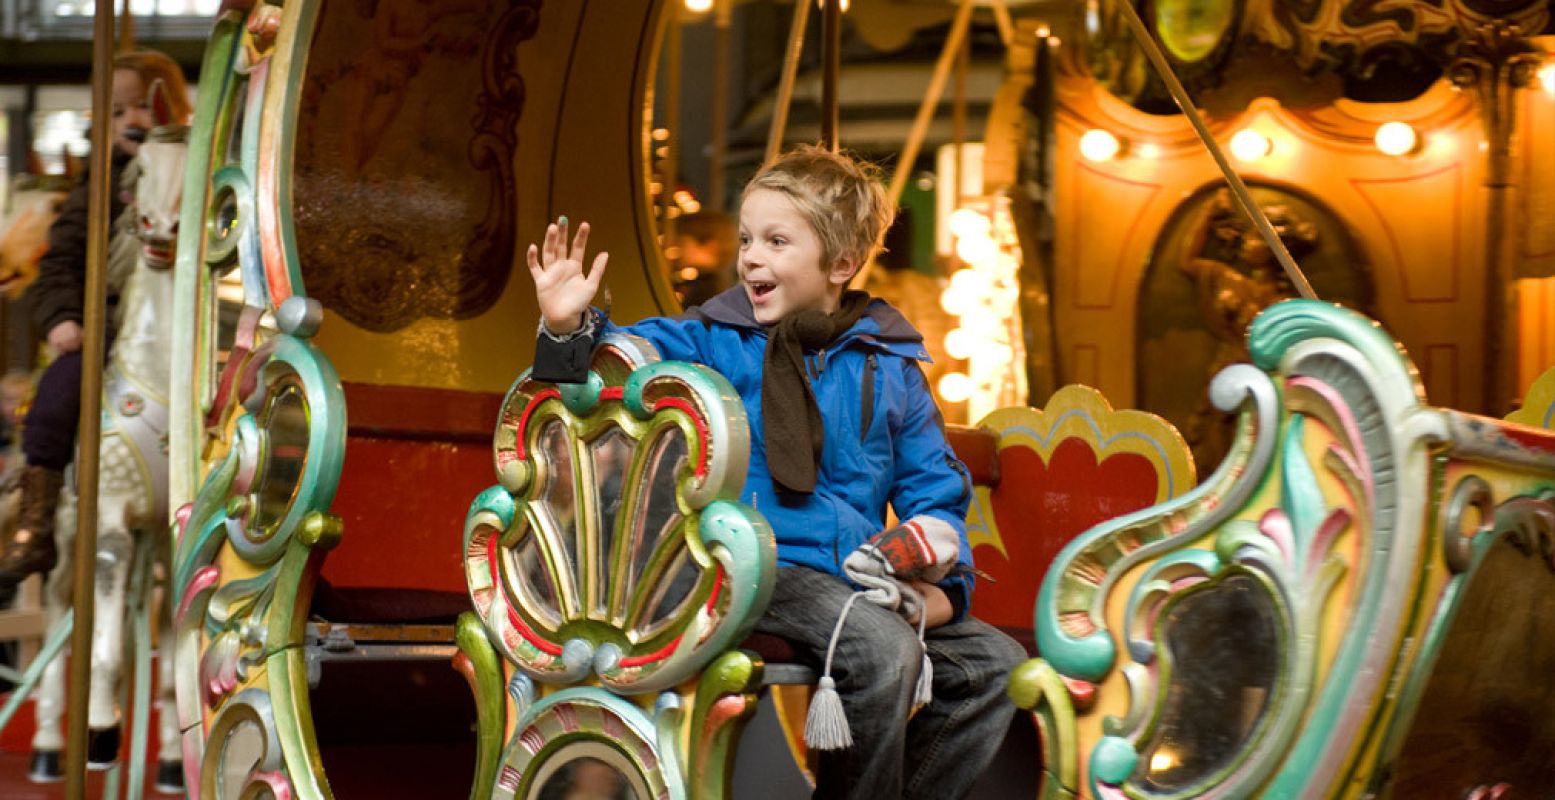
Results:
<point x="842" y="423"/>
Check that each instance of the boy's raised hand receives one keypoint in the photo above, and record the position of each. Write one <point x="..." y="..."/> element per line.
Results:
<point x="561" y="287"/>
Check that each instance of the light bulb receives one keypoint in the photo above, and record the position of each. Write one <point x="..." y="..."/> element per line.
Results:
<point x="1099" y="145"/>
<point x="958" y="343"/>
<point x="955" y="300"/>
<point x="1396" y="138"/>
<point x="976" y="249"/>
<point x="955" y="387"/>
<point x="971" y="281"/>
<point x="699" y="6"/>
<point x="1250" y="145"/>
<point x="965" y="222"/>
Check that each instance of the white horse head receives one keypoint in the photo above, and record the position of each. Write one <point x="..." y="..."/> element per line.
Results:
<point x="158" y="192"/>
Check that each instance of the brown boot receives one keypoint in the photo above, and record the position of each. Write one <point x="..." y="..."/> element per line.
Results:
<point x="32" y="549"/>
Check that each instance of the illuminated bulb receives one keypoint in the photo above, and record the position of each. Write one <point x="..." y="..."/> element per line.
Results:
<point x="1099" y="145"/>
<point x="698" y="6"/>
<point x="1148" y="150"/>
<point x="955" y="387"/>
<point x="688" y="273"/>
<point x="965" y="222"/>
<point x="661" y="134"/>
<point x="955" y="300"/>
<point x="976" y="249"/>
<point x="958" y="343"/>
<point x="971" y="281"/>
<point x="1250" y="145"/>
<point x="1547" y="77"/>
<point x="821" y="4"/>
<point x="1162" y="761"/>
<point x="1396" y="138"/>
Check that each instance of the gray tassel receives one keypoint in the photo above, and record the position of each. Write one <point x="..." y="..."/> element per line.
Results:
<point x="826" y="726"/>
<point x="924" y="693"/>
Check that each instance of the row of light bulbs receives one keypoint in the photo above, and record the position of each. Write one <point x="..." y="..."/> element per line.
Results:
<point x="982" y="296"/>
<point x="1391" y="138"/>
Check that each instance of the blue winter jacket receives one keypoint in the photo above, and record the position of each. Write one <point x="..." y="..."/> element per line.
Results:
<point x="885" y="441"/>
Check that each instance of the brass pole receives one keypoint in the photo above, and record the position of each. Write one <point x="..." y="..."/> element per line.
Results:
<point x="1494" y="64"/>
<point x="1001" y="17"/>
<point x="831" y="51"/>
<point x="958" y="125"/>
<point x="920" y="125"/>
<point x="126" y="28"/>
<point x="723" y="14"/>
<point x="91" y="398"/>
<point x="1239" y="190"/>
<point x="785" y="93"/>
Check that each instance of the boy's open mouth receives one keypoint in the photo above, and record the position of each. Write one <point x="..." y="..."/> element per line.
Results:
<point x="761" y="288"/>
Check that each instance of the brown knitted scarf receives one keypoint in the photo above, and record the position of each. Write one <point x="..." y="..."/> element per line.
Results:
<point x="788" y="409"/>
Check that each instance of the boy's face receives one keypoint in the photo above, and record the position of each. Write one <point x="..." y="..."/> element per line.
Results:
<point x="780" y="260"/>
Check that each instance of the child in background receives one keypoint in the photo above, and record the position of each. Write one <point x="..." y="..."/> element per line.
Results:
<point x="57" y="297"/>
<point x="842" y="423"/>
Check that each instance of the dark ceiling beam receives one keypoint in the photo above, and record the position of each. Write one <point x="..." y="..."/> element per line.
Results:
<point x="70" y="61"/>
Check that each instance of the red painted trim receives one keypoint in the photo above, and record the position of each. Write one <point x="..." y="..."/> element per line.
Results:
<point x="1532" y="438"/>
<point x="523" y="420"/>
<point x="666" y="650"/>
<point x="696" y="419"/>
<point x="517" y="622"/>
<point x="978" y="449"/>
<point x="612" y="393"/>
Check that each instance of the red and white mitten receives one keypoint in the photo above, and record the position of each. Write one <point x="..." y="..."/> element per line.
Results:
<point x="922" y="548"/>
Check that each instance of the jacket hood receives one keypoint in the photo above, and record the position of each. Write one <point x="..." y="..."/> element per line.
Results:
<point x="881" y="323"/>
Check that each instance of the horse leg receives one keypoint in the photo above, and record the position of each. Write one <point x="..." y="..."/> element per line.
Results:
<point x="48" y="741"/>
<point x="170" y="740"/>
<point x="115" y="550"/>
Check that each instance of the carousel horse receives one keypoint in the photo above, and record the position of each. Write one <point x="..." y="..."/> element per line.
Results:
<point x="132" y="494"/>
<point x="34" y="202"/>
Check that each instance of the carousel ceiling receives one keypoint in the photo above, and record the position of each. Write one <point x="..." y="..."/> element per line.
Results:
<point x="1378" y="49"/>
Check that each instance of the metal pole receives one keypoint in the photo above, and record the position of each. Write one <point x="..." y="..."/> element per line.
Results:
<point x="958" y="127"/>
<point x="126" y="28"/>
<point x="719" y="141"/>
<point x="785" y="93"/>
<point x="1001" y="17"/>
<point x="1239" y="190"/>
<point x="920" y="125"/>
<point x="831" y="50"/>
<point x="91" y="399"/>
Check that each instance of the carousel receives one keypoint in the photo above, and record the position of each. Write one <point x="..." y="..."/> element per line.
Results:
<point x="1242" y="315"/>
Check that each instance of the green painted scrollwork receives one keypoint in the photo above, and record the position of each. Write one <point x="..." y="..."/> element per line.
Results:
<point x="609" y="549"/>
<point x="613" y="570"/>
<point x="257" y="447"/>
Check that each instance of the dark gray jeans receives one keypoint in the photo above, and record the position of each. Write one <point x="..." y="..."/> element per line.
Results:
<point x="944" y="748"/>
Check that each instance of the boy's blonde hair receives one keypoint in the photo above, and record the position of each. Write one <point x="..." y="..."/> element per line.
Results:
<point x="842" y="197"/>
